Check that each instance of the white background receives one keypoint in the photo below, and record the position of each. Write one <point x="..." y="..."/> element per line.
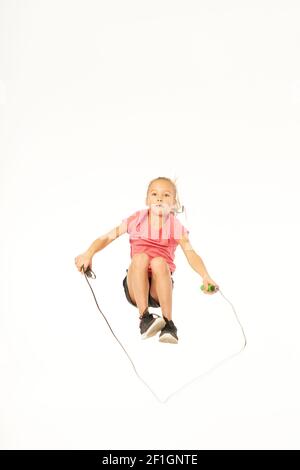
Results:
<point x="97" y="98"/>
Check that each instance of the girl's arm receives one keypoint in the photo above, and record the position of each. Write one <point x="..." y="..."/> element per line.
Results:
<point x="106" y="239"/>
<point x="196" y="263"/>
<point x="85" y="259"/>
<point x="193" y="258"/>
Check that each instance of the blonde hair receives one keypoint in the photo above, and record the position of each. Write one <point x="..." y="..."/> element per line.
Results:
<point x="178" y="207"/>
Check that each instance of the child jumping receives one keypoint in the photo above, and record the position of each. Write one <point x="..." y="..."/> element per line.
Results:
<point x="154" y="234"/>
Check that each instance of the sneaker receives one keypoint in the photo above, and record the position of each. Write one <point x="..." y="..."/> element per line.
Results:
<point x="169" y="333"/>
<point x="149" y="325"/>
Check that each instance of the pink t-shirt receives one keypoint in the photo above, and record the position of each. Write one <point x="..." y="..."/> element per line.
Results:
<point x="154" y="242"/>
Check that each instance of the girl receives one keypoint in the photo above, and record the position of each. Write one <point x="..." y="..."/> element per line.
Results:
<point x="154" y="234"/>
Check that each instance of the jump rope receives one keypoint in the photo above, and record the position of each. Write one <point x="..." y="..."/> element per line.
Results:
<point x="89" y="273"/>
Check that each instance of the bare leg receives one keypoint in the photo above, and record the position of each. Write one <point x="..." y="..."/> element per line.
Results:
<point x="137" y="280"/>
<point x="161" y="285"/>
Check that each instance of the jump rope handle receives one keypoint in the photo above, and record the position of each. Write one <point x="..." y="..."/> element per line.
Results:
<point x="211" y="288"/>
<point x="88" y="272"/>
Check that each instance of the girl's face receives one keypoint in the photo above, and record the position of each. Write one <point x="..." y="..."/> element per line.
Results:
<point x="161" y="197"/>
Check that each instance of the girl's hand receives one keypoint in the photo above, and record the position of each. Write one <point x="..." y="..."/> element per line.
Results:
<point x="208" y="280"/>
<point x="84" y="260"/>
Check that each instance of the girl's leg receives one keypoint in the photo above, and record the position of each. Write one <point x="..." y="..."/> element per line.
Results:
<point x="138" y="282"/>
<point x="161" y="285"/>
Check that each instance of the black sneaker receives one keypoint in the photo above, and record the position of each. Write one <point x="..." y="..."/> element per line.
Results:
<point x="149" y="325"/>
<point x="169" y="333"/>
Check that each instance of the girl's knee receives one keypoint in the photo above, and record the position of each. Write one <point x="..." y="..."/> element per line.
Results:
<point x="140" y="260"/>
<point x="159" y="264"/>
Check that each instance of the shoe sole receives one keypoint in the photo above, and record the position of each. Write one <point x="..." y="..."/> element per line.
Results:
<point x="156" y="326"/>
<point x="168" y="338"/>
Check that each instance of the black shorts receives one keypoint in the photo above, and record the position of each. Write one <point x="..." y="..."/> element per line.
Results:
<point x="151" y="301"/>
